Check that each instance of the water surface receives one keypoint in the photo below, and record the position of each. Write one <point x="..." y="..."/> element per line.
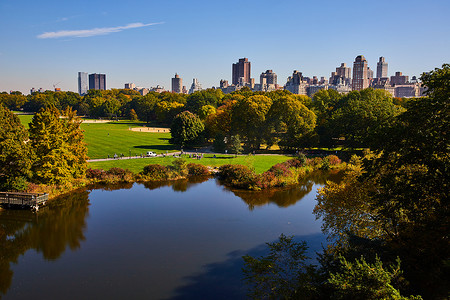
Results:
<point x="174" y="240"/>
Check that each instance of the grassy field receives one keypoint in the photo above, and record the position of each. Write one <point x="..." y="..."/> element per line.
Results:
<point x="260" y="163"/>
<point x="111" y="138"/>
<point x="105" y="139"/>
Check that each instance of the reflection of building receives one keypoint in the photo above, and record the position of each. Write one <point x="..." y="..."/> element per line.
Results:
<point x="195" y="86"/>
<point x="177" y="84"/>
<point x="82" y="83"/>
<point x="241" y="72"/>
<point x="97" y="81"/>
<point x="360" y="77"/>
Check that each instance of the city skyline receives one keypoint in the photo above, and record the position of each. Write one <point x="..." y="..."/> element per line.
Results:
<point x="50" y="42"/>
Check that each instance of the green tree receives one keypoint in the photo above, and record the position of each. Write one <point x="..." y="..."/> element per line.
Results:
<point x="360" y="280"/>
<point x="58" y="146"/>
<point x="234" y="145"/>
<point x="195" y="101"/>
<point x="361" y="116"/>
<point x="186" y="129"/>
<point x="290" y="122"/>
<point x="15" y="153"/>
<point x="249" y="119"/>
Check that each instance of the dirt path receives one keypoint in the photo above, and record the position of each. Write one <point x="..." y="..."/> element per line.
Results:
<point x="151" y="129"/>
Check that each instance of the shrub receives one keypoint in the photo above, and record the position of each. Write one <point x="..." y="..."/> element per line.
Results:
<point x="333" y="160"/>
<point x="281" y="169"/>
<point x="325" y="164"/>
<point x="180" y="166"/>
<point x="197" y="169"/>
<point x="295" y="163"/>
<point x="156" y="172"/>
<point x="118" y="174"/>
<point x="238" y="176"/>
<point x="315" y="161"/>
<point x="98" y="174"/>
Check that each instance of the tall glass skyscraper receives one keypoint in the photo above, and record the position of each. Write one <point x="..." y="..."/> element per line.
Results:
<point x="82" y="83"/>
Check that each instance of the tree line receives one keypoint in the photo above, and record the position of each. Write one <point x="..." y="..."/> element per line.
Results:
<point x="256" y="118"/>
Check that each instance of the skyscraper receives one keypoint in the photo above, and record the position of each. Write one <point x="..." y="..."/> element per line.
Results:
<point x="360" y="77"/>
<point x="342" y="75"/>
<point x="382" y="68"/>
<point x="196" y="86"/>
<point x="82" y="83"/>
<point x="97" y="81"/>
<point x="241" y="69"/>
<point x="269" y="76"/>
<point x="177" y="84"/>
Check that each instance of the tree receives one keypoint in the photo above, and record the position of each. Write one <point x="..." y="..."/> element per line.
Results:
<point x="249" y="119"/>
<point x="58" y="146"/>
<point x="290" y="122"/>
<point x="15" y="153"/>
<point x="197" y="100"/>
<point x="234" y="144"/>
<point x="361" y="116"/>
<point x="186" y="129"/>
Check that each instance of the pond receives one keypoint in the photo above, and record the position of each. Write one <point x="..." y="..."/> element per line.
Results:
<point x="171" y="240"/>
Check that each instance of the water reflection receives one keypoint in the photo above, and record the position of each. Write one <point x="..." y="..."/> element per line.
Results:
<point x="284" y="197"/>
<point x="50" y="232"/>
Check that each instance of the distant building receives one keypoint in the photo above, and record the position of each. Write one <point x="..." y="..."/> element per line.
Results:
<point x="269" y="76"/>
<point x="97" y="81"/>
<point x="408" y="91"/>
<point x="399" y="79"/>
<point x="33" y="90"/>
<point x="195" y="86"/>
<point x="83" y="86"/>
<point x="130" y="86"/>
<point x="158" y="89"/>
<point x="342" y="75"/>
<point x="383" y="84"/>
<point x="241" y="72"/>
<point x="360" y="77"/>
<point x="223" y="84"/>
<point x="312" y="89"/>
<point x="177" y="84"/>
<point x="296" y="84"/>
<point x="382" y="68"/>
<point x="143" y="91"/>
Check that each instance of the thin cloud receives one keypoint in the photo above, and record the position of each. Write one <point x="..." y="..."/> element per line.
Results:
<point x="91" y="32"/>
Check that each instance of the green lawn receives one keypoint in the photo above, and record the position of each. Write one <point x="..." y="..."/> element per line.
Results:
<point x="260" y="163"/>
<point x="105" y="139"/>
<point x="111" y="138"/>
<point x="24" y="119"/>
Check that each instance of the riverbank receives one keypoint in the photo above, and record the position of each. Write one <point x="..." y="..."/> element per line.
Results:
<point x="285" y="173"/>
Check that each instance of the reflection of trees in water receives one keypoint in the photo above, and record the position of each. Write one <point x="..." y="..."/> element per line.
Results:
<point x="50" y="232"/>
<point x="181" y="185"/>
<point x="284" y="197"/>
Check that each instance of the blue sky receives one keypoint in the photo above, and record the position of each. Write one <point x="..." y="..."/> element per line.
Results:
<point x="45" y="42"/>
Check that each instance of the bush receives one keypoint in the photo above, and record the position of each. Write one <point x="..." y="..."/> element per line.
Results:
<point x="156" y="172"/>
<point x="15" y="184"/>
<point x="119" y="174"/>
<point x="197" y="169"/>
<point x="98" y="174"/>
<point x="333" y="160"/>
<point x="325" y="164"/>
<point x="237" y="176"/>
<point x="281" y="169"/>
<point x="315" y="161"/>
<point x="295" y="163"/>
<point x="180" y="166"/>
